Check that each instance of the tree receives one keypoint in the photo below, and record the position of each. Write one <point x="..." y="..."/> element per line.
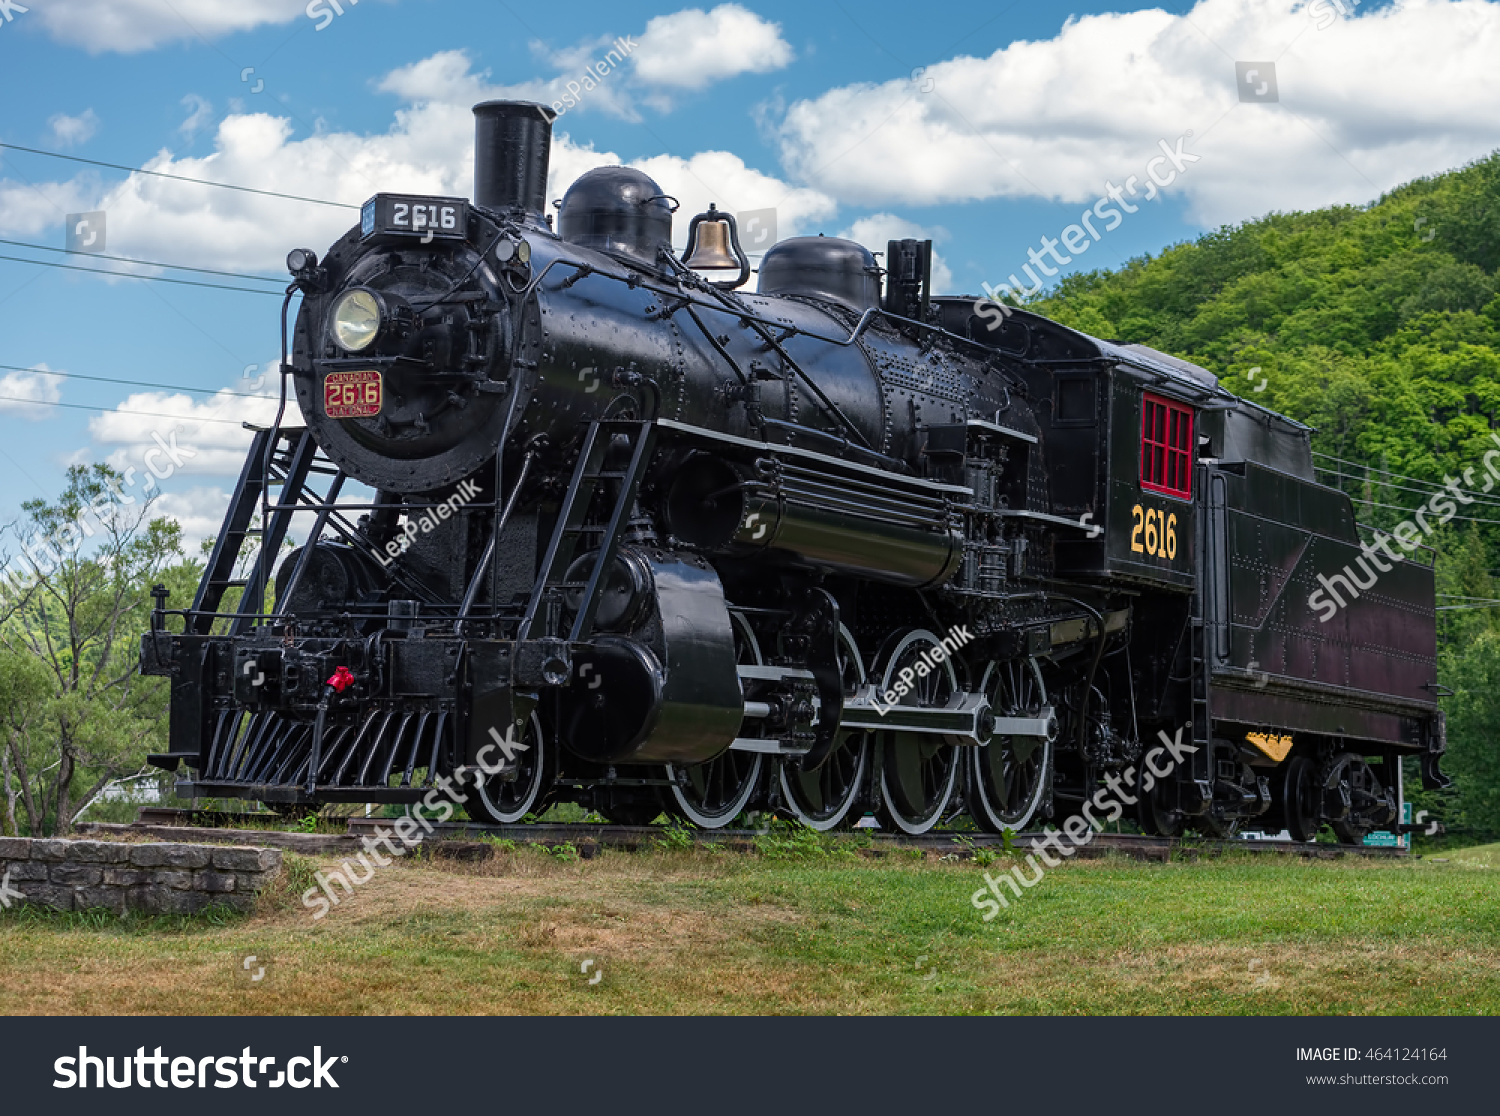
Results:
<point x="77" y="713"/>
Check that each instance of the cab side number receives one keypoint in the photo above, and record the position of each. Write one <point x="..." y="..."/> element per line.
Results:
<point x="1157" y="529"/>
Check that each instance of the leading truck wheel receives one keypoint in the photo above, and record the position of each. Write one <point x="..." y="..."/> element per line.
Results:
<point x="918" y="772"/>
<point x="823" y="798"/>
<point x="520" y="787"/>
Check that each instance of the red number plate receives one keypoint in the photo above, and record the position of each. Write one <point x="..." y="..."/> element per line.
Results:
<point x="351" y="394"/>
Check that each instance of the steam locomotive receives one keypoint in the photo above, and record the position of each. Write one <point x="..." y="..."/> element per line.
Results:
<point x="650" y="542"/>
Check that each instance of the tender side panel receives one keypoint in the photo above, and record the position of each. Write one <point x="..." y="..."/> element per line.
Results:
<point x="1276" y="626"/>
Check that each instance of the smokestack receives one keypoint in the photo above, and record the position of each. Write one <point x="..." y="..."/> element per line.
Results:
<point x="512" y="142"/>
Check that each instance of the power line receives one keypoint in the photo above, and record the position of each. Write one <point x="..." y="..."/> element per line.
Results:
<point x="147" y="278"/>
<point x="176" y="177"/>
<point x="116" y="411"/>
<point x="1411" y="513"/>
<point x="132" y="383"/>
<point x="146" y="263"/>
<point x="1377" y="469"/>
<point x="1476" y="498"/>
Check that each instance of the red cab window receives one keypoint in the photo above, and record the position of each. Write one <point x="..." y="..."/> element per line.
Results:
<point x="1166" y="447"/>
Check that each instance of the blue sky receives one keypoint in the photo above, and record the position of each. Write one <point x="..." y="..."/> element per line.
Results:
<point x="1019" y="119"/>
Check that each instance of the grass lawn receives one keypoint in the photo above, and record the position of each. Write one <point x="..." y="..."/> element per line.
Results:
<point x="717" y="932"/>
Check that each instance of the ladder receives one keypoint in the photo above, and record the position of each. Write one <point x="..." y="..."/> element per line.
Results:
<point x="588" y="474"/>
<point x="291" y="458"/>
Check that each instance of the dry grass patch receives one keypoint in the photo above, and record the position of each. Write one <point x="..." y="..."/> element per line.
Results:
<point x="695" y="932"/>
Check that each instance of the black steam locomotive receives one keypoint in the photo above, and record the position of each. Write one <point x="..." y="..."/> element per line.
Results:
<point x="836" y="546"/>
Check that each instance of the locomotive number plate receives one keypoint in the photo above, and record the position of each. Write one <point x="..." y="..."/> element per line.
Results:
<point x="352" y="394"/>
<point x="414" y="215"/>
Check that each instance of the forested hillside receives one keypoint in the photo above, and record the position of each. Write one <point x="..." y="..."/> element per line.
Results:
<point x="1379" y="326"/>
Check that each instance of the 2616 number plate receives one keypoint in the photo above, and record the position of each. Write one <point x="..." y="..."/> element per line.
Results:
<point x="352" y="394"/>
<point x="412" y="215"/>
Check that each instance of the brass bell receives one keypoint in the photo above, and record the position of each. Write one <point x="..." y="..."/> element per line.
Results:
<point x="708" y="249"/>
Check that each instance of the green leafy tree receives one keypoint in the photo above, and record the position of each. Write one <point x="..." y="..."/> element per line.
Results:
<point x="77" y="712"/>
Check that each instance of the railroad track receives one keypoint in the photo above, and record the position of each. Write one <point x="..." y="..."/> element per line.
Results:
<point x="461" y="840"/>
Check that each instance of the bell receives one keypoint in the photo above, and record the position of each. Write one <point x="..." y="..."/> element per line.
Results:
<point x="709" y="250"/>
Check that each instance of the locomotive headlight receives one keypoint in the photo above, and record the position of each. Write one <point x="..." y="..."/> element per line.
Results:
<point x="356" y="320"/>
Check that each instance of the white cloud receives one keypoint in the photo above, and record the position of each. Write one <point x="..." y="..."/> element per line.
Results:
<point x="69" y="131"/>
<point x="428" y="149"/>
<point x="31" y="208"/>
<point x="199" y="511"/>
<point x="199" y="114"/>
<point x="448" y="78"/>
<point x="692" y="49"/>
<point x="878" y="229"/>
<point x="685" y="51"/>
<point x="126" y="26"/>
<point x="1360" y="110"/>
<point x="158" y="431"/>
<point x="723" y="178"/>
<point x="27" y="394"/>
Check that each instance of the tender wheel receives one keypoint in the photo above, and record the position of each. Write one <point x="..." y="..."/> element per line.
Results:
<point x="1009" y="776"/>
<point x="823" y="799"/>
<point x="1301" y="799"/>
<point x="1370" y="805"/>
<point x="1157" y="818"/>
<point x="713" y="794"/>
<point x="918" y="772"/>
<point x="506" y="797"/>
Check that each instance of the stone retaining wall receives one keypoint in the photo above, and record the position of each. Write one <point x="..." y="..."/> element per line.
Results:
<point x="115" y="876"/>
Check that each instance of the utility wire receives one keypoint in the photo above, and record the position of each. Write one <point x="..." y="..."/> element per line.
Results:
<point x="1476" y="498"/>
<point x="147" y="263"/>
<point x="147" y="278"/>
<point x="1411" y="513"/>
<point x="1375" y="468"/>
<point x="116" y="411"/>
<point x="176" y="177"/>
<point x="133" y="383"/>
